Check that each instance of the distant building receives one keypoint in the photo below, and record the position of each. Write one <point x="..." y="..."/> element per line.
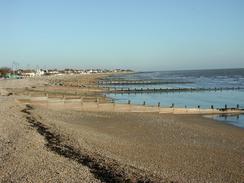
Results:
<point x="52" y="72"/>
<point x="28" y="73"/>
<point x="40" y="72"/>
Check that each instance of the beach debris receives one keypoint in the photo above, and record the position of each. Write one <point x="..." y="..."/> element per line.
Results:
<point x="105" y="171"/>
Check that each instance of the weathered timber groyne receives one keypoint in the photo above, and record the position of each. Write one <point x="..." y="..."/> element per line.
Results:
<point x="164" y="90"/>
<point x="81" y="105"/>
<point x="139" y="82"/>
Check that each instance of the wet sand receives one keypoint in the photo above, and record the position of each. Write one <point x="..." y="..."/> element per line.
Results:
<point x="117" y="146"/>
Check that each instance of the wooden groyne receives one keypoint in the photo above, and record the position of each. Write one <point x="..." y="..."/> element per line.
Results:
<point x="139" y="82"/>
<point x="98" y="106"/>
<point x="164" y="90"/>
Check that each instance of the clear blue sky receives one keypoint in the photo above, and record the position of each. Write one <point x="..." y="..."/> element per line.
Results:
<point x="137" y="34"/>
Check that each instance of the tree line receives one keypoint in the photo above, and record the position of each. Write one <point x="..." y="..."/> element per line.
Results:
<point x="4" y="71"/>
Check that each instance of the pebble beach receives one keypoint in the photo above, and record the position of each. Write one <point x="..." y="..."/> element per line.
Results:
<point x="44" y="145"/>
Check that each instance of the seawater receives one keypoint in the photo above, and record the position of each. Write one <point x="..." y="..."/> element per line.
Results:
<point x="220" y="78"/>
<point x="236" y="120"/>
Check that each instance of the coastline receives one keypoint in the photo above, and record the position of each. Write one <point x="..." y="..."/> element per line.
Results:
<point x="141" y="146"/>
<point x="82" y="93"/>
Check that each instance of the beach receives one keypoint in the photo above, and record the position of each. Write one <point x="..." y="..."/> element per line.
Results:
<point x="40" y="144"/>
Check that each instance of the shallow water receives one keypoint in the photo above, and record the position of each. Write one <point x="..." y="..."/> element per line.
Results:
<point x="224" y="78"/>
<point x="186" y="99"/>
<point x="237" y="120"/>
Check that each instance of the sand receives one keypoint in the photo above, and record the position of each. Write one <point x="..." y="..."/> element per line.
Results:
<point x="44" y="145"/>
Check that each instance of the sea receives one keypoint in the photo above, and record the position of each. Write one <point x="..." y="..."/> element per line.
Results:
<point x="215" y="78"/>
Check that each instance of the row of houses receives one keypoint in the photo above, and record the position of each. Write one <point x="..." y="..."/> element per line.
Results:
<point x="21" y="73"/>
<point x="91" y="71"/>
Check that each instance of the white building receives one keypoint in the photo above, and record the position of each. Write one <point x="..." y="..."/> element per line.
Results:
<point x="40" y="72"/>
<point x="28" y="73"/>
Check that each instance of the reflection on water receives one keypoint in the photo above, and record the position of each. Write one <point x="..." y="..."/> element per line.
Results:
<point x="237" y="120"/>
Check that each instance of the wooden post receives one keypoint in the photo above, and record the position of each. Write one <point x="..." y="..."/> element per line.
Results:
<point x="130" y="107"/>
<point x="47" y="102"/>
<point x="97" y="102"/>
